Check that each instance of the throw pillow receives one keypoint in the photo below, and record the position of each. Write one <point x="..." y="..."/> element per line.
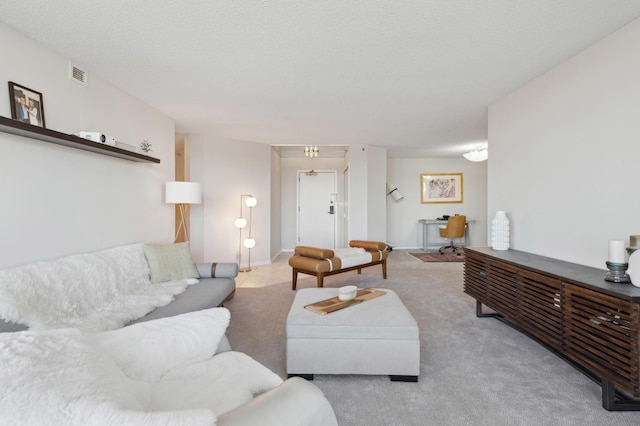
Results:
<point x="147" y="350"/>
<point x="168" y="262"/>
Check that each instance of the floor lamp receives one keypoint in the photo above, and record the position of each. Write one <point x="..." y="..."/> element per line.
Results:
<point x="250" y="201"/>
<point x="183" y="194"/>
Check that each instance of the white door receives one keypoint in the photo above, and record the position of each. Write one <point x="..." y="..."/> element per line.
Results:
<point x="317" y="199"/>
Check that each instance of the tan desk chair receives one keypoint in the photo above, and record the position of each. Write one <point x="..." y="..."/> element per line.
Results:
<point x="455" y="229"/>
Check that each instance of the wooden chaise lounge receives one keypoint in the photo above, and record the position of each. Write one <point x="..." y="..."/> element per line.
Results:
<point x="324" y="262"/>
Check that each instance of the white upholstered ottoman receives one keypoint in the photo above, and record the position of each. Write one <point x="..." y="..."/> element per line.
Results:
<point x="376" y="337"/>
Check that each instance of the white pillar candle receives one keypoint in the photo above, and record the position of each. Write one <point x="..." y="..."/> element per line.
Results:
<point x="616" y="251"/>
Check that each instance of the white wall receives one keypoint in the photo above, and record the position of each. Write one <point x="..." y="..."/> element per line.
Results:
<point x="276" y="205"/>
<point x="367" y="192"/>
<point x="403" y="228"/>
<point x="565" y="150"/>
<point x="357" y="198"/>
<point x="376" y="194"/>
<point x="289" y="193"/>
<point x="226" y="169"/>
<point x="58" y="200"/>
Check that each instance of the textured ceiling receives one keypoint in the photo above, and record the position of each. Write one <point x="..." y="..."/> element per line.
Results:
<point x="413" y="76"/>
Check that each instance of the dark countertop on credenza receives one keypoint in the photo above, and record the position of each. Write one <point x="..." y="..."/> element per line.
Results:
<point x="584" y="276"/>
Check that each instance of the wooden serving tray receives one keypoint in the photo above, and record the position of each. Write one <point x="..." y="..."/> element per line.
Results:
<point x="334" y="304"/>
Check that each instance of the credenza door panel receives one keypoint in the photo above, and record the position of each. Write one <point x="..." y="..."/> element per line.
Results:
<point x="502" y="292"/>
<point x="600" y="332"/>
<point x="540" y="307"/>
<point x="475" y="274"/>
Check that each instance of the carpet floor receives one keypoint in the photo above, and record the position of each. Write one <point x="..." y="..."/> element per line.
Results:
<point x="474" y="371"/>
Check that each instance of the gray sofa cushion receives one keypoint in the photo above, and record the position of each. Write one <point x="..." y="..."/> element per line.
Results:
<point x="208" y="293"/>
<point x="6" y="326"/>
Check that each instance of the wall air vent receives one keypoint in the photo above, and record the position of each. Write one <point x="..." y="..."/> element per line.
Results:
<point x="78" y="74"/>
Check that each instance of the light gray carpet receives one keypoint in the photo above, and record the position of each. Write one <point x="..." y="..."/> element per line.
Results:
<point x="474" y="371"/>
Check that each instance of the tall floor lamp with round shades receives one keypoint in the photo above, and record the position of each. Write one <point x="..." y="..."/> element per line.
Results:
<point x="183" y="194"/>
<point x="241" y="223"/>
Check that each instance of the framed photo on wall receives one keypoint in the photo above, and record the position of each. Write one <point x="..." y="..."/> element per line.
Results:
<point x="441" y="188"/>
<point x="27" y="105"/>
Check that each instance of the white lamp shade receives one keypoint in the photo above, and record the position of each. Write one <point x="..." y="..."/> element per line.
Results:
<point x="250" y="201"/>
<point x="249" y="243"/>
<point x="183" y="193"/>
<point x="241" y="222"/>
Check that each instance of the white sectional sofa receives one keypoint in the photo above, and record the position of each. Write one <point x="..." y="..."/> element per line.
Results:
<point x="111" y="288"/>
<point x="73" y="362"/>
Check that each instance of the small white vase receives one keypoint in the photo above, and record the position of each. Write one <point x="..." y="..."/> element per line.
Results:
<point x="634" y="268"/>
<point x="500" y="231"/>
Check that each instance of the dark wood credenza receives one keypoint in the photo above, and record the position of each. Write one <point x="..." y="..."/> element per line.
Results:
<point x="570" y="308"/>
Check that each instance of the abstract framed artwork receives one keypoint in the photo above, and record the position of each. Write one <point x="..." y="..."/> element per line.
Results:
<point x="441" y="188"/>
<point x="26" y="105"/>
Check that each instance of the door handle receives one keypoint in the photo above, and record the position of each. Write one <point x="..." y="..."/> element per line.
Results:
<point x="331" y="210"/>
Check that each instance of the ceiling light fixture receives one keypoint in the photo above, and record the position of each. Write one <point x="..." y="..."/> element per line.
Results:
<point x="311" y="151"/>
<point x="477" y="155"/>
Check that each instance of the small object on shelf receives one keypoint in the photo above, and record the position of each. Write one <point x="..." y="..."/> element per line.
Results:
<point x="616" y="251"/>
<point x="634" y="244"/>
<point x="97" y="137"/>
<point x="634" y="267"/>
<point x="145" y="146"/>
<point x="125" y="146"/>
<point x="617" y="272"/>
<point x="27" y="105"/>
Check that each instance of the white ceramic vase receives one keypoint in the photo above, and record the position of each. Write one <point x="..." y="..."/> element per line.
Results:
<point x="500" y="231"/>
<point x="634" y="268"/>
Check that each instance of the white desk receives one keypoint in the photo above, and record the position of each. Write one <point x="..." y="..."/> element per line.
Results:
<point x="431" y="225"/>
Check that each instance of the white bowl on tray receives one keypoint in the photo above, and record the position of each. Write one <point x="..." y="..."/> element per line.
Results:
<point x="348" y="292"/>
